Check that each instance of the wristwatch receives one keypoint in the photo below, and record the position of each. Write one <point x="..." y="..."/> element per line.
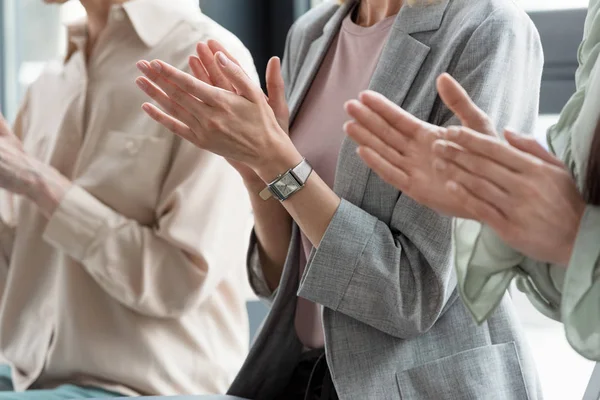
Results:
<point x="288" y="183"/>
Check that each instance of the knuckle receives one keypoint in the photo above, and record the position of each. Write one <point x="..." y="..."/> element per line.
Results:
<point x="477" y="185"/>
<point x="482" y="119"/>
<point x="386" y="130"/>
<point x="177" y="95"/>
<point x="188" y="87"/>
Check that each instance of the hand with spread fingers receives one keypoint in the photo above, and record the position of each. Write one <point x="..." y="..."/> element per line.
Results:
<point x="397" y="145"/>
<point x="23" y="175"/>
<point x="517" y="188"/>
<point x="222" y="110"/>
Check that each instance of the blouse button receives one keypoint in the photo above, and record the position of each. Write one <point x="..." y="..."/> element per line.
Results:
<point x="131" y="147"/>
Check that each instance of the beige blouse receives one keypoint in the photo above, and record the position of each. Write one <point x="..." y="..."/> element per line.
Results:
<point x="137" y="283"/>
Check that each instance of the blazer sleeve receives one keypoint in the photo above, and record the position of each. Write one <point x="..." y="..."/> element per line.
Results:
<point x="397" y="276"/>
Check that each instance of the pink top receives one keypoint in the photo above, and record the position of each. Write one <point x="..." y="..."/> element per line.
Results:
<point x="318" y="129"/>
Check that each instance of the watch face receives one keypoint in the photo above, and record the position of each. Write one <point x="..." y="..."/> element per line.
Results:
<point x="286" y="186"/>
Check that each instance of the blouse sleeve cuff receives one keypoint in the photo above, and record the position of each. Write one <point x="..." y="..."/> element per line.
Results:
<point x="258" y="282"/>
<point x="485" y="266"/>
<point x="581" y="290"/>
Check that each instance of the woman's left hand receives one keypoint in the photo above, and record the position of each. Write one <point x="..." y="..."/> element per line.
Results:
<point x="520" y="190"/>
<point x="238" y="126"/>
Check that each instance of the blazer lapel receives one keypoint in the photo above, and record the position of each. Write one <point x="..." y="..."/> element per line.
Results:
<point x="314" y="57"/>
<point x="398" y="66"/>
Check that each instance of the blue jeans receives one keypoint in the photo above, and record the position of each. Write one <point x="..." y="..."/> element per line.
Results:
<point x="63" y="392"/>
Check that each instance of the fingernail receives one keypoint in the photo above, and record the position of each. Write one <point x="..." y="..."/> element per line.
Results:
<point x="146" y="107"/>
<point x="439" y="165"/>
<point x="223" y="60"/>
<point x="143" y="67"/>
<point x="141" y="83"/>
<point x="440" y="146"/>
<point x="156" y="66"/>
<point x="511" y="131"/>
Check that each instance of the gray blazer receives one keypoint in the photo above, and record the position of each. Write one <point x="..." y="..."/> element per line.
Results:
<point x="383" y="271"/>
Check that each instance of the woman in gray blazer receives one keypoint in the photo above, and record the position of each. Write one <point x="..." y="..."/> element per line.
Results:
<point x="388" y="324"/>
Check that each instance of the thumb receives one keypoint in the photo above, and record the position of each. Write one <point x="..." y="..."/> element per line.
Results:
<point x="236" y="75"/>
<point x="529" y="145"/>
<point x="276" y="92"/>
<point x="458" y="101"/>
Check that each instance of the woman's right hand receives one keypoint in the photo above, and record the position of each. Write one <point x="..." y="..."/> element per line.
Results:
<point x="205" y="69"/>
<point x="398" y="146"/>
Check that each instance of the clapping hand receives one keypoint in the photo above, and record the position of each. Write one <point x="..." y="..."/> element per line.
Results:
<point x="398" y="146"/>
<point x="222" y="110"/>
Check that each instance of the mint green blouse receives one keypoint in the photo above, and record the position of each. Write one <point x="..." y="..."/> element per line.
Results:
<point x="485" y="265"/>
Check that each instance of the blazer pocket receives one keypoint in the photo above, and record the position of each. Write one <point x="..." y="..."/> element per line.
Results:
<point x="491" y="373"/>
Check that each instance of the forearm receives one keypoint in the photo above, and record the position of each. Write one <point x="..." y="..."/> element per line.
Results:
<point x="313" y="207"/>
<point x="273" y="230"/>
<point x="132" y="263"/>
<point x="48" y="188"/>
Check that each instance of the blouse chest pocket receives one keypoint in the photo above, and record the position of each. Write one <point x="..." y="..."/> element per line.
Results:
<point x="126" y="171"/>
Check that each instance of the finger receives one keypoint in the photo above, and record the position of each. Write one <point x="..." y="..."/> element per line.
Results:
<point x="492" y="148"/>
<point x="239" y="79"/>
<point x="166" y="103"/>
<point x="207" y="57"/>
<point x="215" y="46"/>
<point x="529" y="145"/>
<point x="458" y="101"/>
<point x="376" y="125"/>
<point x="198" y="70"/>
<point x="475" y="164"/>
<point x="177" y="127"/>
<point x="388" y="172"/>
<point x="483" y="211"/>
<point x="276" y="91"/>
<point x="185" y="82"/>
<point x="194" y="107"/>
<point x="365" y="139"/>
<point x="394" y="115"/>
<point x="482" y="188"/>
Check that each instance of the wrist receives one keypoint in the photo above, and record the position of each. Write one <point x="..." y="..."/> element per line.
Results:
<point x="277" y="161"/>
<point x="48" y="189"/>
